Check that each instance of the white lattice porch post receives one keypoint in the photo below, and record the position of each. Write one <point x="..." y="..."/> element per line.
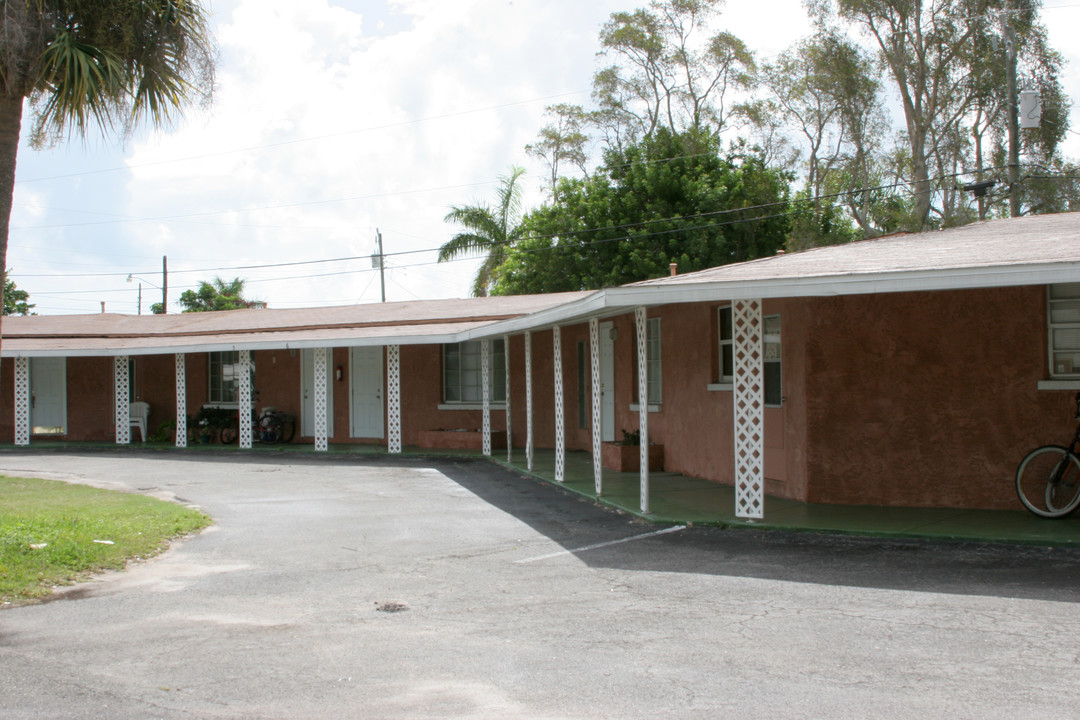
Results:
<point x="528" y="402"/>
<point x="560" y="433"/>
<point x="485" y="393"/>
<point x="641" y="324"/>
<point x="181" y="400"/>
<point x="243" y="399"/>
<point x="123" y="403"/>
<point x="22" y="401"/>
<point x="319" y="388"/>
<point x="594" y="368"/>
<point x="393" y="398"/>
<point x="748" y="401"/>
<point x="509" y="436"/>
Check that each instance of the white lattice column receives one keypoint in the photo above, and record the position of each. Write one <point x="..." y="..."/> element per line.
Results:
<point x="641" y="325"/>
<point x="594" y="373"/>
<point x="321" y="410"/>
<point x="243" y="399"/>
<point x="485" y="393"/>
<point x="509" y="435"/>
<point x="181" y="400"/>
<point x="393" y="398"/>
<point x="22" y="401"/>
<point x="528" y="402"/>
<point x="123" y="402"/>
<point x="748" y="396"/>
<point x="560" y="432"/>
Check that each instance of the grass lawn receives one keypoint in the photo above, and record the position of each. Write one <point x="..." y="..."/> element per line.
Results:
<point x="55" y="533"/>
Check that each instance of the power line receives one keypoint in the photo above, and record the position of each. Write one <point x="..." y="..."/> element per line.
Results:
<point x="316" y="138"/>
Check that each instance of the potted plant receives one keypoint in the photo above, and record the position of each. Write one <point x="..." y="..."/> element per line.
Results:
<point x="625" y="455"/>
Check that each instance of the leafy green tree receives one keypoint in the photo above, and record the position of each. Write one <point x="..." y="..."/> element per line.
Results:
<point x="111" y="63"/>
<point x="15" y="300"/>
<point x="669" y="198"/>
<point x="487" y="229"/>
<point x="216" y="295"/>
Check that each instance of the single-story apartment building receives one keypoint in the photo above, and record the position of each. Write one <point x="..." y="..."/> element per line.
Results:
<point x="910" y="370"/>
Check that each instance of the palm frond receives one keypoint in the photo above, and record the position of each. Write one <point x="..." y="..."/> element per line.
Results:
<point x="82" y="82"/>
<point x="463" y="244"/>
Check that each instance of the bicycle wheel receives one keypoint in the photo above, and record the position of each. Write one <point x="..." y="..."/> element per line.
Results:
<point x="288" y="429"/>
<point x="1048" y="481"/>
<point x="270" y="433"/>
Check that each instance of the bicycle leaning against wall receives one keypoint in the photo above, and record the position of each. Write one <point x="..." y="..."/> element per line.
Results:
<point x="271" y="426"/>
<point x="1048" y="479"/>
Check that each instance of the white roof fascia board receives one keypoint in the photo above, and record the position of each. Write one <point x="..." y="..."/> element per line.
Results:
<point x="915" y="281"/>
<point x="596" y="305"/>
<point x="233" y="346"/>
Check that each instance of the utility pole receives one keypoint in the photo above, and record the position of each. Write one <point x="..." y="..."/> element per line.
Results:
<point x="1012" y="112"/>
<point x="382" y="263"/>
<point x="164" y="284"/>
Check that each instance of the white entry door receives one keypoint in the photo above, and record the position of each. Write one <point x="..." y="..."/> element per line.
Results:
<point x="366" y="392"/>
<point x="48" y="395"/>
<point x="307" y="385"/>
<point x="607" y="382"/>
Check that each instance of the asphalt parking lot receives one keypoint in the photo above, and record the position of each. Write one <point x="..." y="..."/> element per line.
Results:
<point x="405" y="588"/>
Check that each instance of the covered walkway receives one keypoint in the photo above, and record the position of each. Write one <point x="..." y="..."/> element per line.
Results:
<point x="679" y="499"/>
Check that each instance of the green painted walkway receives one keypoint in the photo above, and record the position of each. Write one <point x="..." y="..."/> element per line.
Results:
<point x="678" y="499"/>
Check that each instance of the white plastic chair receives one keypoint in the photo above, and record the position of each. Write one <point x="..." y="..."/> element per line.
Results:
<point x="139" y="417"/>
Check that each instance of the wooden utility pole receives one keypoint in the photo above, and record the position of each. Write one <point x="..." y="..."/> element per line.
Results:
<point x="382" y="264"/>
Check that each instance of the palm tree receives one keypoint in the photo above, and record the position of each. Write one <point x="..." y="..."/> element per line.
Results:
<point x="111" y="63"/>
<point x="487" y="229"/>
<point x="218" y="295"/>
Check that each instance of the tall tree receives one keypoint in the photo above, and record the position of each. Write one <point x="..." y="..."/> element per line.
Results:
<point x="111" y="63"/>
<point x="216" y="295"/>
<point x="15" y="300"/>
<point x="562" y="141"/>
<point x="669" y="198"/>
<point x="941" y="63"/>
<point x="665" y="74"/>
<point x="487" y="230"/>
<point x="827" y="90"/>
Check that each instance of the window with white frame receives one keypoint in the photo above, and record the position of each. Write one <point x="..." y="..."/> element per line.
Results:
<point x="654" y="386"/>
<point x="1064" y="330"/>
<point x="727" y="344"/>
<point x="772" y="360"/>
<point x="463" y="374"/>
<point x="225" y="377"/>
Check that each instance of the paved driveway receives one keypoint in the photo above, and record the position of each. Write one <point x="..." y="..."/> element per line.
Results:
<point x="401" y="589"/>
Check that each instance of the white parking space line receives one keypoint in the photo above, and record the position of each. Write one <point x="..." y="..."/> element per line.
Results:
<point x="665" y="531"/>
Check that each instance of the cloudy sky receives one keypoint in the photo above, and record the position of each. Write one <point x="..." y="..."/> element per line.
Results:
<point x="333" y="118"/>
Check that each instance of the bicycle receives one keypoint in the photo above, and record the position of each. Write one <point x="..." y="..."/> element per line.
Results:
<point x="1048" y="479"/>
<point x="272" y="426"/>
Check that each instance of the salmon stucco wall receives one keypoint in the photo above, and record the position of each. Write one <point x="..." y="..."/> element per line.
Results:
<point x="421" y="395"/>
<point x="928" y="399"/>
<point x="90" y="398"/>
<point x="694" y="422"/>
